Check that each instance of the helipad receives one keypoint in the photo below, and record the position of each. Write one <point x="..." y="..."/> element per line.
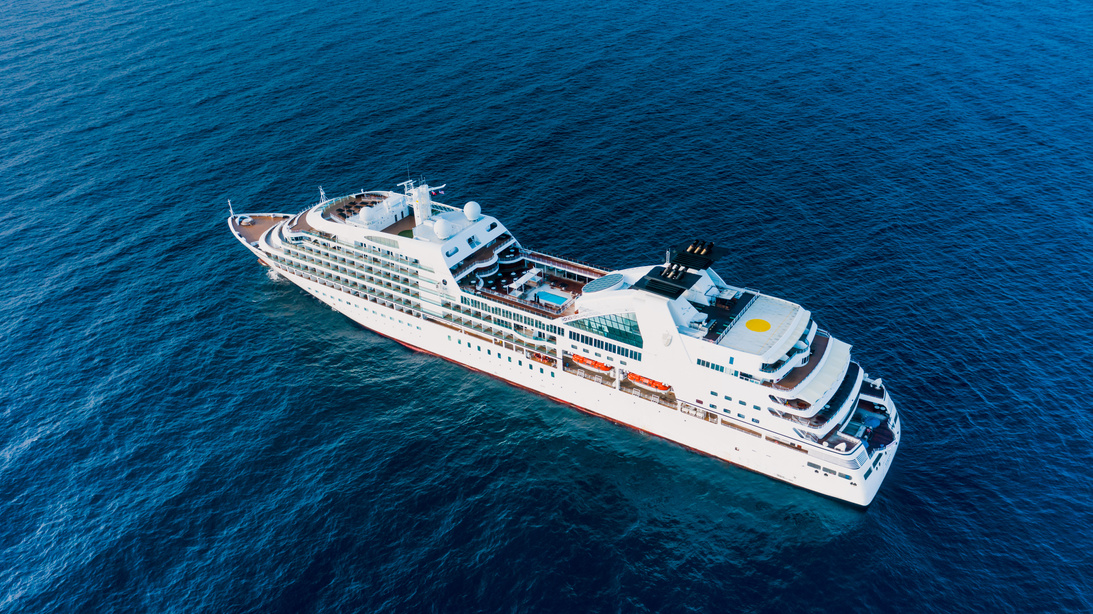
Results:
<point x="758" y="325"/>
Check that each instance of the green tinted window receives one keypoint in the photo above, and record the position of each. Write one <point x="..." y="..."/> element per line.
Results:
<point x="620" y="327"/>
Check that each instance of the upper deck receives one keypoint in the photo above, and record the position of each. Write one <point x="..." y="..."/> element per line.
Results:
<point x="763" y="323"/>
<point x="544" y="285"/>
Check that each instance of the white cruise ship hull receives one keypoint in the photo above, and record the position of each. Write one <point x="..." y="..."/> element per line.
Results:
<point x="818" y="470"/>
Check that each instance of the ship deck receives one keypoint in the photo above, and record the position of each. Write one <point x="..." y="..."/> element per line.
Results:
<point x="261" y="223"/>
<point x="406" y="224"/>
<point x="341" y="209"/>
<point x="798" y="374"/>
<point x="527" y="298"/>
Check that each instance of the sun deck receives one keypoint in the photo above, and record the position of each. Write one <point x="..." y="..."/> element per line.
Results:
<point x="342" y="209"/>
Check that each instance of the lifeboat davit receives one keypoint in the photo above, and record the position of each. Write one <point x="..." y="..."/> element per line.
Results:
<point x="591" y="364"/>
<point x="641" y="380"/>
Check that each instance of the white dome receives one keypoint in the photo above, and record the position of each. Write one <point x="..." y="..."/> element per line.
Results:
<point x="473" y="211"/>
<point x="443" y="229"/>
<point x="369" y="213"/>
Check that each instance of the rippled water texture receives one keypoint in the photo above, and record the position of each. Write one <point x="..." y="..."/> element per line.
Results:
<point x="179" y="432"/>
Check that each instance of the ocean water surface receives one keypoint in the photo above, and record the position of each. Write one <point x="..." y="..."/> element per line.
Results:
<point x="179" y="432"/>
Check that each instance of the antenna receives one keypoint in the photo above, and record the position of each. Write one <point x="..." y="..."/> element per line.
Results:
<point x="230" y="210"/>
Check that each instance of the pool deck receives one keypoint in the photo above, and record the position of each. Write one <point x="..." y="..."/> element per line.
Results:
<point x="557" y="297"/>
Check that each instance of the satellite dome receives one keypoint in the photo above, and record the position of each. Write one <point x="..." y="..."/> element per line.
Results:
<point x="369" y="214"/>
<point x="473" y="211"/>
<point x="443" y="229"/>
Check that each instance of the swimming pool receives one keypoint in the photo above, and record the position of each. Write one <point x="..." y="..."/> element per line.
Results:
<point x="551" y="298"/>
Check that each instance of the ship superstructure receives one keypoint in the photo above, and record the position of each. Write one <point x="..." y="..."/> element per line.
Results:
<point x="670" y="349"/>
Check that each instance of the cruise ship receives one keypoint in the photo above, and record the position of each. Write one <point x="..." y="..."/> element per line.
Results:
<point x="671" y="349"/>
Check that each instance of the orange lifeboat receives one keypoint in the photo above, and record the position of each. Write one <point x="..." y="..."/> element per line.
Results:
<point x="641" y="380"/>
<point x="591" y="364"/>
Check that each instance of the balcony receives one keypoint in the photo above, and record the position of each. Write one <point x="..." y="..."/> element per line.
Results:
<point x="484" y="258"/>
<point x="798" y="374"/>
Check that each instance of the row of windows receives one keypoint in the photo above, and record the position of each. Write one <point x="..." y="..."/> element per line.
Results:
<point x="498" y="311"/>
<point x="710" y="365"/>
<point x="728" y="398"/>
<point x="598" y="355"/>
<point x="603" y="345"/>
<point x="347" y="284"/>
<point x="335" y="245"/>
<point x="729" y="412"/>
<point x="336" y="262"/>
<point x="385" y="286"/>
<point x="832" y="471"/>
<point x="489" y="352"/>
<point x="464" y="321"/>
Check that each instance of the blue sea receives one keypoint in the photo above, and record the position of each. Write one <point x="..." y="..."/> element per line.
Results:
<point x="180" y="432"/>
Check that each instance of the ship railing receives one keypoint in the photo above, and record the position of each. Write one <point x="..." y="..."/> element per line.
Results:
<point x="576" y="267"/>
<point x="790" y="355"/>
<point x="469" y="325"/>
<point x="349" y="268"/>
<point x="699" y="412"/>
<point x="648" y="396"/>
<point x="364" y="250"/>
<point x="353" y="288"/>
<point x="486" y="259"/>
<point x="599" y="379"/>
<point x="535" y="308"/>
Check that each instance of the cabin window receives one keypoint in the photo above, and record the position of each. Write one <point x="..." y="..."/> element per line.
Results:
<point x="755" y="420"/>
<point x="742" y="403"/>
<point x="713" y="393"/>
<point x="813" y="465"/>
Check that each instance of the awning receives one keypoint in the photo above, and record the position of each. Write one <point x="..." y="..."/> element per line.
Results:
<point x="525" y="278"/>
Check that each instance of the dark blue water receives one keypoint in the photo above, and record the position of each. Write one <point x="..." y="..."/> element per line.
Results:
<point x="179" y="432"/>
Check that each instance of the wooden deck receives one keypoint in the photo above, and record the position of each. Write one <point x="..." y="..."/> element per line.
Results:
<point x="406" y="223"/>
<point x="798" y="375"/>
<point x="346" y="207"/>
<point x="262" y="223"/>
